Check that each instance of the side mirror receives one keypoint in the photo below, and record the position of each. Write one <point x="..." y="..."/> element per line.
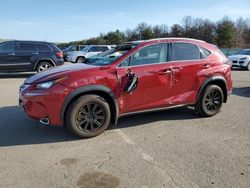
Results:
<point x="132" y="82"/>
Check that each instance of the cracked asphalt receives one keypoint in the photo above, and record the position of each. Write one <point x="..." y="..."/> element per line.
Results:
<point x="172" y="148"/>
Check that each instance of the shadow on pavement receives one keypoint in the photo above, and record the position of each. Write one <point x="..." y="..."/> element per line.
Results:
<point x="16" y="75"/>
<point x="150" y="117"/>
<point x="243" y="91"/>
<point x="18" y="129"/>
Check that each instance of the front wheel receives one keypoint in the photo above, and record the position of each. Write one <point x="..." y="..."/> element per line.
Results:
<point x="88" y="116"/>
<point x="80" y="60"/>
<point x="248" y="66"/>
<point x="210" y="101"/>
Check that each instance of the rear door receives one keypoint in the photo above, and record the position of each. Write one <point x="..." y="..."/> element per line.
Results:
<point x="187" y="61"/>
<point x="151" y="67"/>
<point x="26" y="55"/>
<point x="8" y="59"/>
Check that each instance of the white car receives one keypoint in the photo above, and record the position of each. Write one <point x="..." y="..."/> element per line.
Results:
<point x="241" y="60"/>
<point x="87" y="52"/>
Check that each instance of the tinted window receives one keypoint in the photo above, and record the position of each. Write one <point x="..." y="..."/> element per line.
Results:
<point x="93" y="49"/>
<point x="82" y="47"/>
<point x="186" y="51"/>
<point x="8" y="47"/>
<point x="205" y="52"/>
<point x="103" y="49"/>
<point x="98" y="49"/>
<point x="43" y="48"/>
<point x="150" y="55"/>
<point x="27" y="47"/>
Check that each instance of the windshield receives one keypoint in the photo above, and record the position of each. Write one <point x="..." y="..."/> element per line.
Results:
<point x="109" y="56"/>
<point x="245" y="52"/>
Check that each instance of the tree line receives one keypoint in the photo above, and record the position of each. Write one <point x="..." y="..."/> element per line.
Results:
<point x="225" y="33"/>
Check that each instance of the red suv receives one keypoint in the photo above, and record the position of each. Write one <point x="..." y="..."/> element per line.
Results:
<point x="136" y="77"/>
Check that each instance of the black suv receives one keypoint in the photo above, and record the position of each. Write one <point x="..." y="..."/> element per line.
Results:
<point x="25" y="56"/>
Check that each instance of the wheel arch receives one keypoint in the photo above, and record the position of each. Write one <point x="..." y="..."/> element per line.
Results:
<point x="215" y="80"/>
<point x="99" y="90"/>
<point x="44" y="60"/>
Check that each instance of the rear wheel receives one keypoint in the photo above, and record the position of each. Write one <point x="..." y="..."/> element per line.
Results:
<point x="88" y="116"/>
<point x="210" y="101"/>
<point x="80" y="60"/>
<point x="42" y="66"/>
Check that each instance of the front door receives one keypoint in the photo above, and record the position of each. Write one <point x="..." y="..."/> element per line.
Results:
<point x="151" y="67"/>
<point x="8" y="59"/>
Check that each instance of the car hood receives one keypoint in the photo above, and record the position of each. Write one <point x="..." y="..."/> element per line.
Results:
<point x="237" y="57"/>
<point x="57" y="72"/>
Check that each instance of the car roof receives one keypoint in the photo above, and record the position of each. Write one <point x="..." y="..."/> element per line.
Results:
<point x="29" y="41"/>
<point x="168" y="38"/>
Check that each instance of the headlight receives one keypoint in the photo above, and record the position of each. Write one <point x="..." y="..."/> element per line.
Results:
<point x="244" y="58"/>
<point x="49" y="84"/>
<point x="45" y="85"/>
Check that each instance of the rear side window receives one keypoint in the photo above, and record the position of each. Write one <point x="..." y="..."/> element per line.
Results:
<point x="27" y="47"/>
<point x="43" y="48"/>
<point x="98" y="49"/>
<point x="103" y="49"/>
<point x="8" y="47"/>
<point x="186" y="51"/>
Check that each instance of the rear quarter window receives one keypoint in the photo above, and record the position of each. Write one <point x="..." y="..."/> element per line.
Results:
<point x="205" y="52"/>
<point x="43" y="48"/>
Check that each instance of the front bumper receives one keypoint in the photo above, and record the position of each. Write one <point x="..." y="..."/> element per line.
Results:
<point x="70" y="59"/>
<point x="39" y="104"/>
<point x="239" y="63"/>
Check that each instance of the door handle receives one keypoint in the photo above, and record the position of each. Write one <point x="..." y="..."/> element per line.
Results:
<point x="206" y="66"/>
<point x="165" y="72"/>
<point x="11" y="54"/>
<point x="35" y="53"/>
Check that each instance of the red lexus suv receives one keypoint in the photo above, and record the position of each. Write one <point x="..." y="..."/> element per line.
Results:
<point x="136" y="77"/>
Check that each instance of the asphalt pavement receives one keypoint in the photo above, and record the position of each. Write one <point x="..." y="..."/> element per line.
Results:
<point x="172" y="148"/>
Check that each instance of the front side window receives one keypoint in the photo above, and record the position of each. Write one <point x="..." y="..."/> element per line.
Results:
<point x="93" y="49"/>
<point x="8" y="47"/>
<point x="27" y="47"/>
<point x="186" y="51"/>
<point x="150" y="55"/>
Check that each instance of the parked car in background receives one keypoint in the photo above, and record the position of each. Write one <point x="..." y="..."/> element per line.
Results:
<point x="88" y="51"/>
<point x="25" y="56"/>
<point x="72" y="48"/>
<point x="134" y="78"/>
<point x="241" y="59"/>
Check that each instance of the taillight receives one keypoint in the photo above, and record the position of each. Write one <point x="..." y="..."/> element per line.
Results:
<point x="59" y="54"/>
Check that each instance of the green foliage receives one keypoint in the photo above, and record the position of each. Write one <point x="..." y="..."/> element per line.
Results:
<point x="225" y="33"/>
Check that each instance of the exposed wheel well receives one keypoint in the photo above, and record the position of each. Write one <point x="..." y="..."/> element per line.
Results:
<point x="219" y="83"/>
<point x="47" y="60"/>
<point x="80" y="57"/>
<point x="103" y="94"/>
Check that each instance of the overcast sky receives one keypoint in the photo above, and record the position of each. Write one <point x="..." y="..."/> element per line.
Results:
<point x="67" y="20"/>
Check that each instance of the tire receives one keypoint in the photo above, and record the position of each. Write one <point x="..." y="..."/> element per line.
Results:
<point x="210" y="101"/>
<point x="88" y="116"/>
<point x="80" y="60"/>
<point x="248" y="66"/>
<point x="42" y="66"/>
